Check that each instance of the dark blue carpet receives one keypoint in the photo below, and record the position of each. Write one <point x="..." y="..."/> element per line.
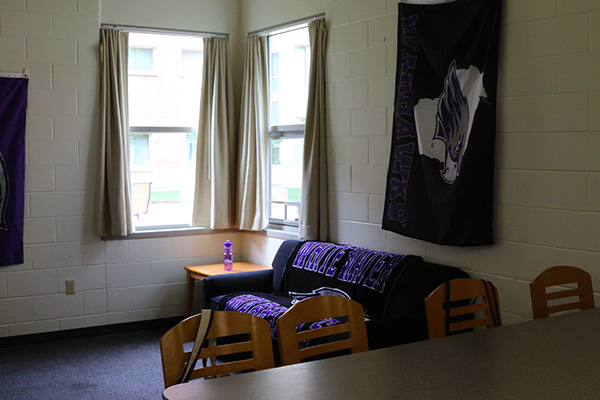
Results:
<point x="125" y="366"/>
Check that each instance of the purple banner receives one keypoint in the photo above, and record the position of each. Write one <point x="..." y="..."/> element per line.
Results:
<point x="441" y="170"/>
<point x="363" y="275"/>
<point x="13" y="107"/>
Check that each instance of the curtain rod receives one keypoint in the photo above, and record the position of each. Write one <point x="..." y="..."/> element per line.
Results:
<point x="25" y="74"/>
<point x="277" y="27"/>
<point x="426" y="2"/>
<point x="144" y="29"/>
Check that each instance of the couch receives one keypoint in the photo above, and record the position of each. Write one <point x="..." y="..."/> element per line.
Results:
<point x="391" y="287"/>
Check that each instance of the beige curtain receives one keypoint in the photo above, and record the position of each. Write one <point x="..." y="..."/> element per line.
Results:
<point x="214" y="200"/>
<point x="252" y="184"/>
<point x="314" y="210"/>
<point x="113" y="206"/>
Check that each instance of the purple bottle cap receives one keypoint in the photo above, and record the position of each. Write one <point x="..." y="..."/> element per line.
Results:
<point x="227" y="244"/>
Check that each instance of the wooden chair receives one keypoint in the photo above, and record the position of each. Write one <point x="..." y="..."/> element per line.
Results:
<point x="469" y="304"/>
<point x="326" y="325"/>
<point x="253" y="346"/>
<point x="561" y="275"/>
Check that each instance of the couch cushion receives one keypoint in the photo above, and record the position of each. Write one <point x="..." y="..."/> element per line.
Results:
<point x="367" y="276"/>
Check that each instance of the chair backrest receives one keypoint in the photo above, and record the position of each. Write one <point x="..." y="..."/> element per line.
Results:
<point x="582" y="296"/>
<point x="462" y="304"/>
<point x="252" y="350"/>
<point x="321" y="325"/>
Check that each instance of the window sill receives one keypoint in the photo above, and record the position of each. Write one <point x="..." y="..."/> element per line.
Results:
<point x="282" y="232"/>
<point x="158" y="233"/>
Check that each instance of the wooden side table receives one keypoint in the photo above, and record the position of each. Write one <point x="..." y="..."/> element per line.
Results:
<point x="202" y="271"/>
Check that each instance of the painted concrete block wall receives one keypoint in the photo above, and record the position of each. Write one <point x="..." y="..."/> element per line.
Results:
<point x="116" y="281"/>
<point x="57" y="42"/>
<point x="261" y="14"/>
<point x="548" y="170"/>
<point x="548" y="173"/>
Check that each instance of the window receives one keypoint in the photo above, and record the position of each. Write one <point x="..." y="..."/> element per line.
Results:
<point x="289" y="60"/>
<point x="141" y="58"/>
<point x="276" y="151"/>
<point x="191" y="145"/>
<point x="139" y="147"/>
<point x="163" y="117"/>
<point x="191" y="63"/>
<point x="286" y="179"/>
<point x="274" y="71"/>
<point x="274" y="89"/>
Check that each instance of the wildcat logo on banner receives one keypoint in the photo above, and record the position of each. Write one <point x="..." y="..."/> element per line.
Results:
<point x="440" y="175"/>
<point x="13" y="106"/>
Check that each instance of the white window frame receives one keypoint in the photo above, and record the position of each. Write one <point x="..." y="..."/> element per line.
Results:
<point x="160" y="129"/>
<point x="282" y="131"/>
<point x="174" y="229"/>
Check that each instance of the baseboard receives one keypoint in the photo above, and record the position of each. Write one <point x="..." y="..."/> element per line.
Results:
<point x="102" y="330"/>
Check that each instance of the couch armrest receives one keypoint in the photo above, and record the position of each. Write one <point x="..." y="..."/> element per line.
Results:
<point x="253" y="281"/>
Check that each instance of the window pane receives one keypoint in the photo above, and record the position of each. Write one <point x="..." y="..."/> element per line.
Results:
<point x="289" y="63"/>
<point x="166" y="104"/>
<point x="286" y="178"/>
<point x="289" y="57"/>
<point x="164" y="99"/>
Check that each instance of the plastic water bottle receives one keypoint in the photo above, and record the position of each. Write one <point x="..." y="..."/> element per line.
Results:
<point x="227" y="255"/>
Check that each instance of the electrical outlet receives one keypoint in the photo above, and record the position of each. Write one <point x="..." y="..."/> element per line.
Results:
<point x="70" y="286"/>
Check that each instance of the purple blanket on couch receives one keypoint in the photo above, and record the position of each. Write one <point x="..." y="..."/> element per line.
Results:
<point x="322" y="268"/>
<point x="366" y="276"/>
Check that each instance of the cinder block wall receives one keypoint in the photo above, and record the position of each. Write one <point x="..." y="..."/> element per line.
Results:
<point x="57" y="43"/>
<point x="116" y="281"/>
<point x="548" y="170"/>
<point x="547" y="198"/>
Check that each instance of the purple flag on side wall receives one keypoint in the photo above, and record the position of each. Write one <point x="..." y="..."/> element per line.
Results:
<point x="13" y="106"/>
